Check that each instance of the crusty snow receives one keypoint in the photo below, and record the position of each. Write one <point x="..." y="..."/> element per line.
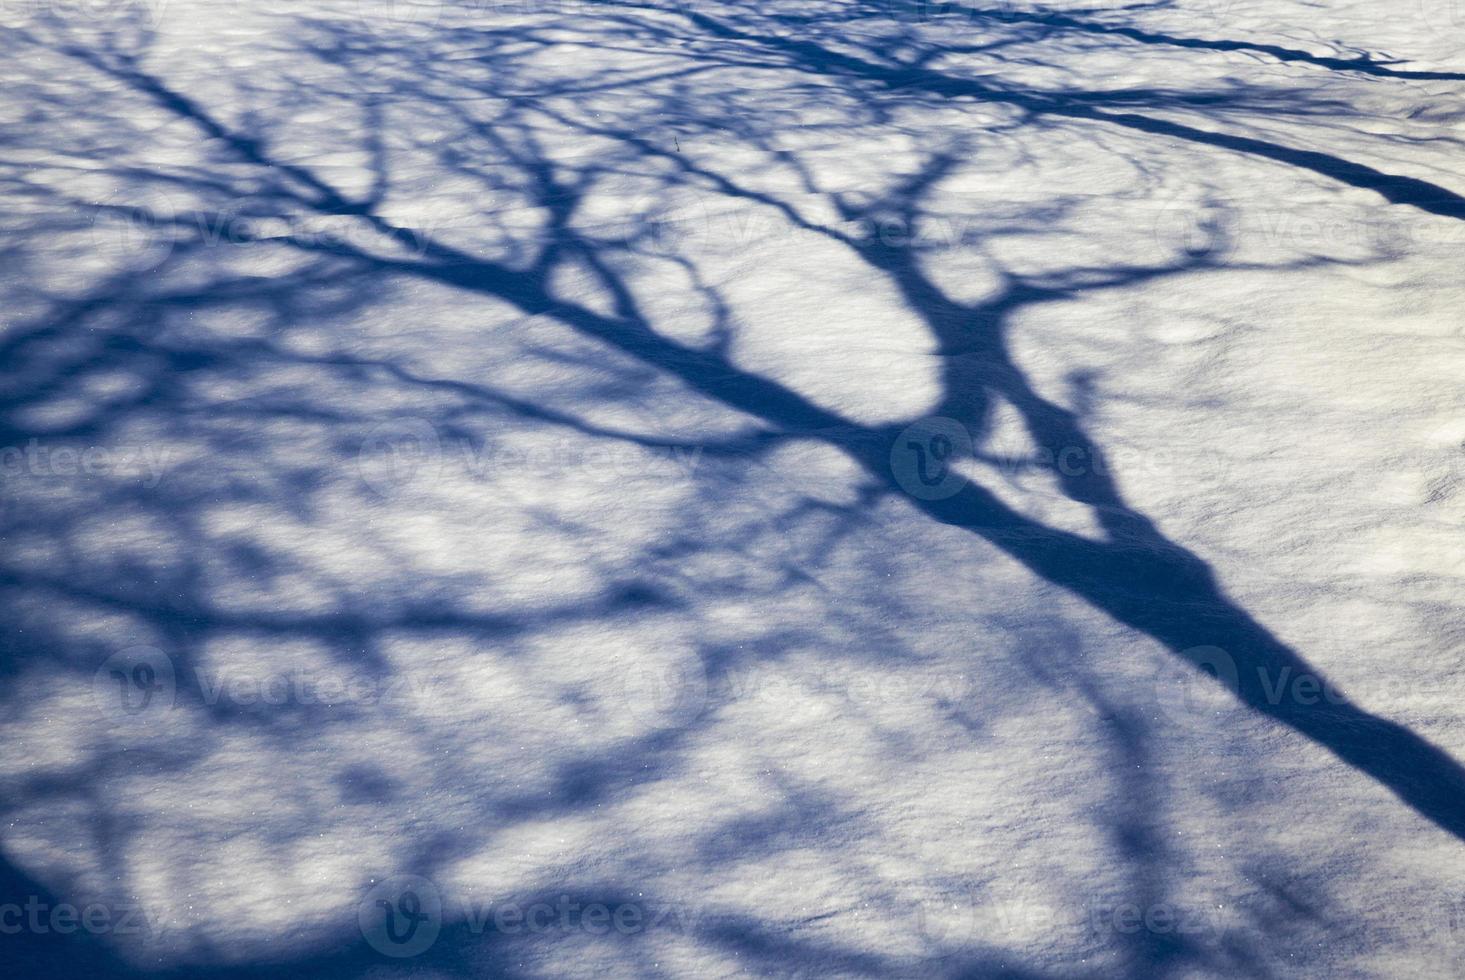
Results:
<point x="716" y="488"/>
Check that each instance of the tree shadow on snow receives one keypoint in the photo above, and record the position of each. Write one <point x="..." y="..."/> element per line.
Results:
<point x="128" y="355"/>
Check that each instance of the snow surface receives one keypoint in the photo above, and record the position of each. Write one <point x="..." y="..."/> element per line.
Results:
<point x="695" y="489"/>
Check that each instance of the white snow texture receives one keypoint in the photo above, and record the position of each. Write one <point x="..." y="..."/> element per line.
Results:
<point x="729" y="488"/>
